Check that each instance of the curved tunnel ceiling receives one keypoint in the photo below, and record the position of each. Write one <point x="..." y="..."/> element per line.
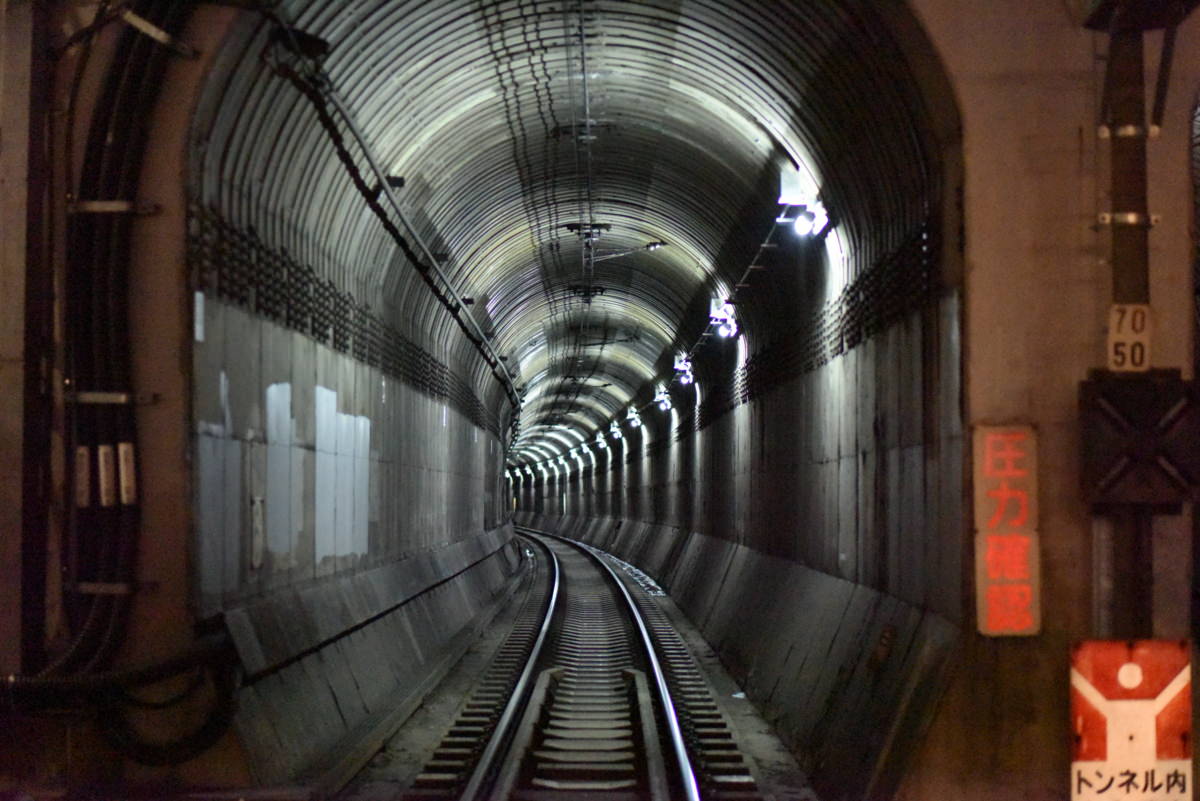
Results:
<point x="545" y="145"/>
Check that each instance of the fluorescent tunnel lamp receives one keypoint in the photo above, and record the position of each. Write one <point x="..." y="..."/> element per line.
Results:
<point x="662" y="398"/>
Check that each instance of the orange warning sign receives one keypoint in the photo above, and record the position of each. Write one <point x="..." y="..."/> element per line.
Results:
<point x="1131" y="720"/>
<point x="1007" y="568"/>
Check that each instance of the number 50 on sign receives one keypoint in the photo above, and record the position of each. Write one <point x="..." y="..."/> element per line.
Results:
<point x="1129" y="333"/>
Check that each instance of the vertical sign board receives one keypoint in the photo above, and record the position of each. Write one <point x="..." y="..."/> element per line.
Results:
<point x="1129" y="336"/>
<point x="1131" y="720"/>
<point x="1007" y="563"/>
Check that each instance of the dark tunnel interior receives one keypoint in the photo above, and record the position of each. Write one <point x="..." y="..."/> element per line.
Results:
<point x="542" y="256"/>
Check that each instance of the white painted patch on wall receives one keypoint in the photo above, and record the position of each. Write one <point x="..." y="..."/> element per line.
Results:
<point x="198" y="315"/>
<point x="281" y="433"/>
<point x="325" y="409"/>
<point x="219" y="495"/>
<point x="445" y="416"/>
<point x="342" y="499"/>
<point x="343" y="476"/>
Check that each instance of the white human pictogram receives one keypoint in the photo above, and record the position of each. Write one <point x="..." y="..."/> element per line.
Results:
<point x="1131" y="722"/>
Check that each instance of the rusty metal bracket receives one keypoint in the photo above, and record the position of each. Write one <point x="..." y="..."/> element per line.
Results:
<point x="90" y="398"/>
<point x="112" y="207"/>
<point x="148" y="28"/>
<point x="103" y="588"/>
<point x="1128" y="218"/>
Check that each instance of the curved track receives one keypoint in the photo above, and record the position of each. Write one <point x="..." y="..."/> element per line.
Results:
<point x="592" y="696"/>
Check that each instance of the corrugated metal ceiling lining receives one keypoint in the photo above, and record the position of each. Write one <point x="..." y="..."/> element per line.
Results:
<point x="479" y="106"/>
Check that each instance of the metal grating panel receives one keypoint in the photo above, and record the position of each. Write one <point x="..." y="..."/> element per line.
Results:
<point x="237" y="267"/>
<point x="900" y="283"/>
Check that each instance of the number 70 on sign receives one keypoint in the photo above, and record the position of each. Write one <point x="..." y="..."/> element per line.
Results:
<point x="1129" y="335"/>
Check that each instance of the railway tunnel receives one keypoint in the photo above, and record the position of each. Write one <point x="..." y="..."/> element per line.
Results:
<point x="719" y="288"/>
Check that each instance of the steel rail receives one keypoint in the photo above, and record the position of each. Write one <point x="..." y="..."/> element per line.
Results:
<point x="476" y="786"/>
<point x="687" y="774"/>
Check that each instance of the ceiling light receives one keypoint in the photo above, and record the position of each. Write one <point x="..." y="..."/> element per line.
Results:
<point x="804" y="223"/>
<point x="662" y="398"/>
<point x="812" y="220"/>
<point x="720" y="314"/>
<point x="683" y="366"/>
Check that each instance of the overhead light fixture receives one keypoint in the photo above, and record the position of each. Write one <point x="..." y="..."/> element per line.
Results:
<point x="615" y="430"/>
<point x="683" y="366"/>
<point x="797" y="186"/>
<point x="600" y="440"/>
<point x="634" y="419"/>
<point x="720" y="314"/>
<point x="647" y="246"/>
<point x="662" y="398"/>
<point x="804" y="223"/>
<point x="811" y="220"/>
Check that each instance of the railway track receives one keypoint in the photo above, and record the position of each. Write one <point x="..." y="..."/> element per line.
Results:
<point x="591" y="696"/>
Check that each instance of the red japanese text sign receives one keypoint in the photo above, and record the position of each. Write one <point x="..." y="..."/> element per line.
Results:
<point x="1131" y="720"/>
<point x="1007" y="564"/>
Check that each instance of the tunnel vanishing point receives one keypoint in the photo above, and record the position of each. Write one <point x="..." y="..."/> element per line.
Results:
<point x="864" y="327"/>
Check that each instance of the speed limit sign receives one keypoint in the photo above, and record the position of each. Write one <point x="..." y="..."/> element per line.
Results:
<point x="1129" y="333"/>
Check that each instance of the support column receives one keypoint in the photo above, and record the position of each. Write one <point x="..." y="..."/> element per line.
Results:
<point x="1132" y="606"/>
<point x="25" y="337"/>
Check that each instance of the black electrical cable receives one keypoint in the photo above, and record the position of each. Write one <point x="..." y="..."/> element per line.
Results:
<point x="1164" y="76"/>
<point x="105" y="14"/>
<point x="87" y="551"/>
<point x="121" y="732"/>
<point x="26" y="693"/>
<point x="103" y="536"/>
<point x="313" y="83"/>
<point x="109" y="694"/>
<point x="128" y="698"/>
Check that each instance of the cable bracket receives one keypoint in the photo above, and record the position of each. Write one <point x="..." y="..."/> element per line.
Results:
<point x="1128" y="131"/>
<point x="145" y="26"/>
<point x="112" y="207"/>
<point x="91" y="398"/>
<point x="1133" y="218"/>
<point x="103" y="588"/>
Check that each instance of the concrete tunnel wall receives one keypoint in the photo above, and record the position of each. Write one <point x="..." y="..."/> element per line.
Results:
<point x="341" y="520"/>
<point x="329" y="489"/>
<point x="814" y="535"/>
<point x="330" y="499"/>
<point x="698" y="512"/>
<point x="348" y="521"/>
<point x="350" y="527"/>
